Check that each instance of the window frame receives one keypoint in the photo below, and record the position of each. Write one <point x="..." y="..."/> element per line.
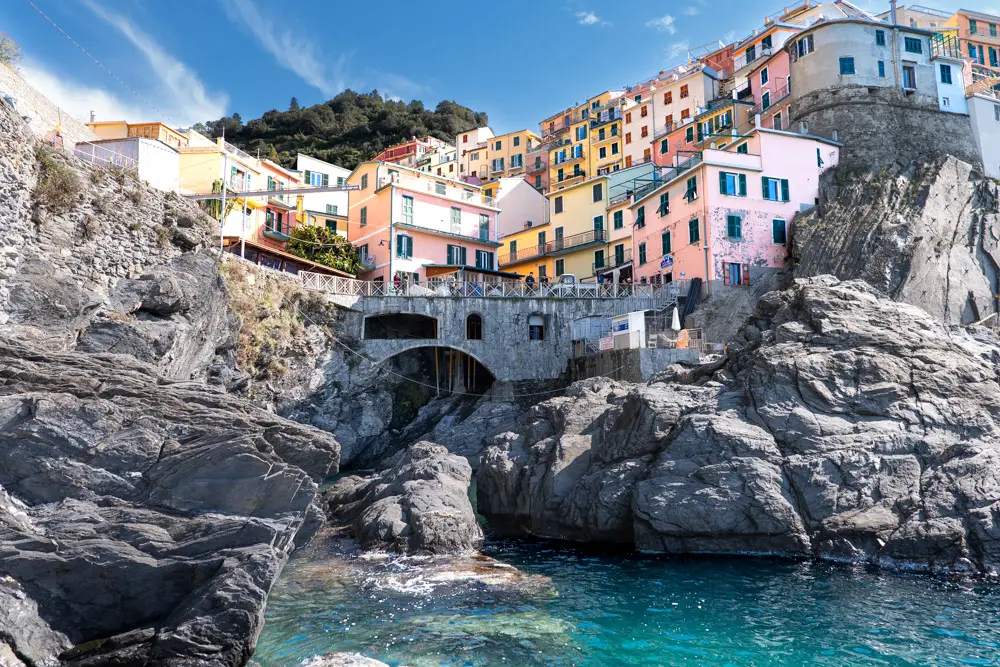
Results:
<point x="784" y="231"/>
<point x="847" y="66"/>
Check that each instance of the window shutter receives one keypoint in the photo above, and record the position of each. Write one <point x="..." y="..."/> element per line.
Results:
<point x="784" y="190"/>
<point x="763" y="186"/>
<point x="399" y="246"/>
<point x="722" y="182"/>
<point x="725" y="275"/>
<point x="326" y="180"/>
<point x="812" y="45"/>
<point x="743" y="185"/>
<point x="307" y="182"/>
<point x="745" y="273"/>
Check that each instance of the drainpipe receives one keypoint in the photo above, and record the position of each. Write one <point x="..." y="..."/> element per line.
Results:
<point x="704" y="224"/>
<point x="895" y="44"/>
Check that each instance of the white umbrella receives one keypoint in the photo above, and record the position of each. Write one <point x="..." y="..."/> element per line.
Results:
<point x="675" y="322"/>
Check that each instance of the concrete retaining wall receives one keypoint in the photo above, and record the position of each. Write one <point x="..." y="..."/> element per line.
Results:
<point x="636" y="365"/>
<point x="44" y="115"/>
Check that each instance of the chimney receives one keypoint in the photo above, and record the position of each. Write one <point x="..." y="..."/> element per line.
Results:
<point x="892" y="11"/>
<point x="93" y="116"/>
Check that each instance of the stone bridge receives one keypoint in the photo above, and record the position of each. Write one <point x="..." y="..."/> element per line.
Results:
<point x="495" y="331"/>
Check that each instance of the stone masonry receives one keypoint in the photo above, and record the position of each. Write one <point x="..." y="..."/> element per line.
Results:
<point x="43" y="115"/>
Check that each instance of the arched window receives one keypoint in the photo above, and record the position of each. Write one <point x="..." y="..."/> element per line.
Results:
<point x="474" y="327"/>
<point x="536" y="327"/>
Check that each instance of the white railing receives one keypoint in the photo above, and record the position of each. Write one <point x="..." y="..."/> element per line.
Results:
<point x="635" y="297"/>
<point x="233" y="150"/>
<point x="437" y="188"/>
<point x="104" y="157"/>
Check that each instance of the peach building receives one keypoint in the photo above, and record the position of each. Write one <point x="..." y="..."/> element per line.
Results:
<point x="727" y="213"/>
<point x="770" y="86"/>
<point x="416" y="225"/>
<point x="408" y="153"/>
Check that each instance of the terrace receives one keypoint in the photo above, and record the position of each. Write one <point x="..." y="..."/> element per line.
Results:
<point x="556" y="246"/>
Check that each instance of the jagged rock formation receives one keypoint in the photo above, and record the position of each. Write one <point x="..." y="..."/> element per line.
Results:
<point x="845" y="426"/>
<point x="928" y="235"/>
<point x="419" y="505"/>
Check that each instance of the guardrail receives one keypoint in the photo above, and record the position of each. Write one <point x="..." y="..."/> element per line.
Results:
<point x="637" y="297"/>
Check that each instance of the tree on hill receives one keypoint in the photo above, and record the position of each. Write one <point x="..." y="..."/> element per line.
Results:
<point x="350" y="128"/>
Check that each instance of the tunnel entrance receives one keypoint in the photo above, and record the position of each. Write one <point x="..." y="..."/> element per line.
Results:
<point x="442" y="371"/>
<point x="399" y="326"/>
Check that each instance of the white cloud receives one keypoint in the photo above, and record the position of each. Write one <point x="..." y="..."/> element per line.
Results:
<point x="290" y="49"/>
<point x="691" y="11"/>
<point x="183" y="96"/>
<point x="80" y="100"/>
<point x="588" y="18"/>
<point x="663" y="24"/>
<point x="678" y="49"/>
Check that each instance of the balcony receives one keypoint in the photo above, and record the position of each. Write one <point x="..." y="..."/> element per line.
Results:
<point x="608" y="161"/>
<point x="279" y="231"/>
<point x="614" y="261"/>
<point x="367" y="261"/>
<point x="604" y="120"/>
<point x="515" y="168"/>
<point x="745" y="59"/>
<point x="571" y="177"/>
<point x="595" y="138"/>
<point x="773" y="99"/>
<point x="568" y="161"/>
<point x="537" y="166"/>
<point x="521" y="255"/>
<point x="234" y="151"/>
<point x="437" y="188"/>
<point x="497" y="169"/>
<point x="576" y="241"/>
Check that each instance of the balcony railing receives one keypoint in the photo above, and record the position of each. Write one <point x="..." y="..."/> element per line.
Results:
<point x="535" y="167"/>
<point x="773" y="99"/>
<point x="743" y="60"/>
<point x="233" y="150"/>
<point x="570" y="159"/>
<point x="571" y="176"/>
<point x="576" y="240"/>
<point x="613" y="261"/>
<point x="521" y="254"/>
<point x="604" y="120"/>
<point x="438" y="189"/>
<point x="595" y="138"/>
<point x="367" y="261"/>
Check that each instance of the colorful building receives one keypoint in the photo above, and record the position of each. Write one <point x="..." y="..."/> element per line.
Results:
<point x="416" y="226"/>
<point x="407" y="153"/>
<point x="979" y="37"/>
<point x="473" y="154"/>
<point x="280" y="210"/>
<point x="327" y="208"/>
<point x="120" y="129"/>
<point x="440" y="162"/>
<point x="722" y="123"/>
<point x="726" y="213"/>
<point x="770" y="85"/>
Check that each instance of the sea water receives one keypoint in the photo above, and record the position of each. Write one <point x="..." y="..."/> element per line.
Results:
<point x="584" y="607"/>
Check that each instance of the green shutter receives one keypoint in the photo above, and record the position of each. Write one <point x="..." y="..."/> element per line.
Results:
<point x="722" y="183"/>
<point x="399" y="246"/>
<point x="326" y="180"/>
<point x="763" y="186"/>
<point x="784" y="190"/>
<point x="743" y="185"/>
<point x="307" y="177"/>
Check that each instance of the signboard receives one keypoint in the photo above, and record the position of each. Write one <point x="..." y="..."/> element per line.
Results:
<point x="620" y="325"/>
<point x="607" y="343"/>
<point x="666" y="262"/>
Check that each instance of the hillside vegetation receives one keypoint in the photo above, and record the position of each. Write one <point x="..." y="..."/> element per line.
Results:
<point x="350" y="128"/>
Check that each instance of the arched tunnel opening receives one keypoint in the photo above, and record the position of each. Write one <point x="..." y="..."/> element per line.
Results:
<point x="400" y="326"/>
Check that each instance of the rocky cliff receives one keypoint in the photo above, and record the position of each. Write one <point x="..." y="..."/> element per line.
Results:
<point x="843" y="425"/>
<point x="927" y="235"/>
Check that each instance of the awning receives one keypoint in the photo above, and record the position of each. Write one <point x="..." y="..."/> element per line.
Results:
<point x="437" y="270"/>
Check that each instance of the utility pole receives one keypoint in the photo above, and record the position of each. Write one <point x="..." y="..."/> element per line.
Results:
<point x="222" y="213"/>
<point x="243" y="234"/>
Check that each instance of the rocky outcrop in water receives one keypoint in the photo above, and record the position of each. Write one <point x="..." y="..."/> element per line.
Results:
<point x="420" y="504"/>
<point x="844" y="425"/>
<point x="928" y="235"/>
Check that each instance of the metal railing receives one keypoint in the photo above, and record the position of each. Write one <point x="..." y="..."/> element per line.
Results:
<point x="743" y="60"/>
<point x="233" y="150"/>
<point x="535" y="167"/>
<point x="104" y="157"/>
<point x="632" y="297"/>
<point x="773" y="99"/>
<point x="555" y="245"/>
<point x="572" y="176"/>
<point x="437" y="188"/>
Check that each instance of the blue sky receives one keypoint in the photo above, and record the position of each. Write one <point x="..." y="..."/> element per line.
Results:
<point x="519" y="60"/>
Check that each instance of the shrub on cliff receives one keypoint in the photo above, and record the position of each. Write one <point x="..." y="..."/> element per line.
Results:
<point x="320" y="245"/>
<point x="59" y="185"/>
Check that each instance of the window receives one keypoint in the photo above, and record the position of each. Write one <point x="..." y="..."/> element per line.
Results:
<point x="691" y="193"/>
<point x="664" y="207"/>
<point x="598" y="227"/>
<point x="598" y="192"/>
<point x="598" y="259"/>
<point x="643" y="112"/>
<point x="685" y="113"/>
<point x="909" y="77"/>
<point x="581" y="133"/>
<point x="364" y="181"/>
<point x="642" y="253"/>
<point x="945" y="74"/>
<point x="628" y="137"/>
<point x="475" y="156"/>
<point x="517" y="141"/>
<point x="993" y="58"/>
<point x="515" y="161"/>
<point x="474" y="323"/>
<point x="341" y="180"/>
<point x="536" y="324"/>
<point x="484" y="260"/>
<point x="766" y="42"/>
<point x="668" y="97"/>
<point x="407" y="210"/>
<point x="497" y="145"/>
<point x="331" y="209"/>
<point x="541" y="239"/>
<point x="765" y="100"/>
<point x="743" y="149"/>
<point x="560" y="175"/>
<point x="559" y="204"/>
<point x="404" y="246"/>
<point x="776" y="121"/>
<point x="912" y="45"/>
<point x="614" y="148"/>
<point x="819" y="159"/>
<point x="640" y="217"/>
<point x="628" y="161"/>
<point x="669" y="120"/>
<point x="664" y="146"/>
<point x="619" y="254"/>
<point x="847" y="66"/>
<point x="881" y="69"/>
<point x="364" y="216"/>
<point x="694" y="234"/>
<point x="880" y="38"/>
<point x="665" y="243"/>
<point x="538" y="182"/>
<point x="684" y="92"/>
<point x="456" y="255"/>
<point x="689" y="135"/>
<point x="779" y="232"/>
<point x="993" y="30"/>
<point x="972" y="26"/>
<point x="644" y="132"/>
<point x="560" y="267"/>
<point x="465" y="138"/>
<point x="619" y="219"/>
<point x="732" y="184"/>
<point x="805" y="46"/>
<point x="602" y="152"/>
<point x="614" y="130"/>
<point x="775" y="189"/>
<point x="440" y="188"/>
<point x="763" y="77"/>
<point x="484" y="227"/>
<point x="637" y="98"/>
<point x="734" y="226"/>
<point x="628" y="117"/>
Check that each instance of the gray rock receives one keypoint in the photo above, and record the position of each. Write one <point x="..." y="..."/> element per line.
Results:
<point x="850" y="427"/>
<point x="343" y="660"/>
<point x="420" y="504"/>
<point x="151" y="515"/>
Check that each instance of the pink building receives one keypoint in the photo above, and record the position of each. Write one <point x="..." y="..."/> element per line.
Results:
<point x="771" y="84"/>
<point x="416" y="225"/>
<point x="729" y="212"/>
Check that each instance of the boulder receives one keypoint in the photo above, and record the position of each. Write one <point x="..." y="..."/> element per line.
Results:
<point x="419" y="505"/>
<point x="343" y="660"/>
<point x="848" y="426"/>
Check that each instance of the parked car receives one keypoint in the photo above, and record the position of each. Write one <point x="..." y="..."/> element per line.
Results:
<point x="567" y="285"/>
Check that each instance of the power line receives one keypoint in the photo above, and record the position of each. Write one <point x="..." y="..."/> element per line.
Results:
<point x="99" y="63"/>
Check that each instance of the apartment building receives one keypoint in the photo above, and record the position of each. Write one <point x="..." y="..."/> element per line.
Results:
<point x="415" y="225"/>
<point x="918" y="16"/>
<point x="724" y="121"/>
<point x="407" y="153"/>
<point x="770" y="86"/>
<point x="326" y="208"/>
<point x="979" y="37"/>
<point x="729" y="209"/>
<point x="440" y="162"/>
<point x="473" y="153"/>
<point x="280" y="209"/>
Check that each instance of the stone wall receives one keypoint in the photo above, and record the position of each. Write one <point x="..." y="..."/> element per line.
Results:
<point x="880" y="126"/>
<point x="636" y="365"/>
<point x="43" y="114"/>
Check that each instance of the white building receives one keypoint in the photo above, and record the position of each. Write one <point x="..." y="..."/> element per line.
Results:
<point x="323" y="174"/>
<point x="520" y="205"/>
<point x="950" y="83"/>
<point x="984" y="113"/>
<point x="154" y="161"/>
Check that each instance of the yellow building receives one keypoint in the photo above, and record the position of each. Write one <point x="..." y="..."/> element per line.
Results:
<point x="524" y="252"/>
<point x="573" y="157"/>
<point x="120" y="129"/>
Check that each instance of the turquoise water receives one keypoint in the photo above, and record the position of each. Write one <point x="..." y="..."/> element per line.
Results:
<point x="578" y="607"/>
